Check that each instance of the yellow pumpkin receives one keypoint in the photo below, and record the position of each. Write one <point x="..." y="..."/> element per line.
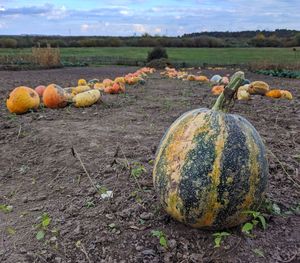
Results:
<point x="22" y="99"/>
<point x="80" y="89"/>
<point x="258" y="87"/>
<point x="286" y="94"/>
<point x="81" y="82"/>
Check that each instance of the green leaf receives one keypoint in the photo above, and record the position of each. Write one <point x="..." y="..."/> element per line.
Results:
<point x="40" y="235"/>
<point x="258" y="252"/>
<point x="163" y="241"/>
<point x="45" y="220"/>
<point x="6" y="208"/>
<point x="247" y="227"/>
<point x="156" y="233"/>
<point x="262" y="221"/>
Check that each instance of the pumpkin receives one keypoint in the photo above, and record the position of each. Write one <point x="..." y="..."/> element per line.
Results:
<point x="99" y="86"/>
<point x="202" y="78"/>
<point x="286" y="94"/>
<point x="120" y="80"/>
<point x="79" y="89"/>
<point x="225" y="80"/>
<point x="243" y="95"/>
<point x="81" y="82"/>
<point x="86" y="98"/>
<point x="217" y="90"/>
<point x="210" y="167"/>
<point x="40" y="90"/>
<point x="215" y="79"/>
<point x="191" y="77"/>
<point x="108" y="82"/>
<point x="54" y="97"/>
<point x="258" y="87"/>
<point x="275" y="93"/>
<point x="115" y="88"/>
<point x="22" y="99"/>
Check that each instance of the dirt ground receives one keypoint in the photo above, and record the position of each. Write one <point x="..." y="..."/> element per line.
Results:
<point x="40" y="174"/>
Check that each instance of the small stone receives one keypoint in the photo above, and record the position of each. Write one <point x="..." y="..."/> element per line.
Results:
<point x="37" y="208"/>
<point x="58" y="259"/>
<point x="146" y="216"/>
<point x="77" y="230"/>
<point x="25" y="199"/>
<point x="148" y="252"/>
<point x="138" y="248"/>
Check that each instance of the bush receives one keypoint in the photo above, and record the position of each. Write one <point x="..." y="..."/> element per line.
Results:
<point x="157" y="53"/>
<point x="158" y="63"/>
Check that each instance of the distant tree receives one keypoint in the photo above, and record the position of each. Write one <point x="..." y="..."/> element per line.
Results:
<point x="8" y="43"/>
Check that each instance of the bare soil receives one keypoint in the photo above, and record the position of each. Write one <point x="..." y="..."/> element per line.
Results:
<point x="40" y="172"/>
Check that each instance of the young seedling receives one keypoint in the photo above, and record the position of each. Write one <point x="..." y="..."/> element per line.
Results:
<point x="137" y="170"/>
<point x="161" y="236"/>
<point x="219" y="236"/>
<point x="42" y="227"/>
<point x="6" y="208"/>
<point x="257" y="218"/>
<point x="258" y="252"/>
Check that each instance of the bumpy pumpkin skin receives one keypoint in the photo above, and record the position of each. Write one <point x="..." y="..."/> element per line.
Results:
<point x="210" y="167"/>
<point x="22" y="99"/>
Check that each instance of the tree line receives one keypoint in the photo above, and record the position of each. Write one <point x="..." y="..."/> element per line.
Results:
<point x="277" y="38"/>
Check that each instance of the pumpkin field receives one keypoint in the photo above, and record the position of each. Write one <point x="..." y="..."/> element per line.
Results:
<point x="76" y="183"/>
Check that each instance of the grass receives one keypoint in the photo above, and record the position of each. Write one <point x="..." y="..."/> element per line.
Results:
<point x="193" y="56"/>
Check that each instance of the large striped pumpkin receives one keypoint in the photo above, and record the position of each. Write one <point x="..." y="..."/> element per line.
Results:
<point x="210" y="168"/>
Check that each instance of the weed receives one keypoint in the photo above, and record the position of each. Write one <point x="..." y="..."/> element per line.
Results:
<point x="6" y="208"/>
<point x="218" y="237"/>
<point x="257" y="218"/>
<point x="137" y="170"/>
<point x="161" y="236"/>
<point x="258" y="252"/>
<point x="42" y="226"/>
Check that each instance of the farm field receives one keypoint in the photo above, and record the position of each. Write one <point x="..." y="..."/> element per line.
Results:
<point x="39" y="174"/>
<point x="193" y="56"/>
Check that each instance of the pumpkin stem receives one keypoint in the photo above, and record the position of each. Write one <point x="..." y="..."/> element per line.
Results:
<point x="223" y="101"/>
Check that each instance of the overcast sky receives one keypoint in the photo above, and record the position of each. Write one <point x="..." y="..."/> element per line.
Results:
<point x="129" y="17"/>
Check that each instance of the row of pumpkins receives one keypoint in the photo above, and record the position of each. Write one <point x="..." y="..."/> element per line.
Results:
<point x="249" y="88"/>
<point x="23" y="99"/>
<point x="218" y="84"/>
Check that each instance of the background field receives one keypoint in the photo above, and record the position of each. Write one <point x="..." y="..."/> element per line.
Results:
<point x="191" y="56"/>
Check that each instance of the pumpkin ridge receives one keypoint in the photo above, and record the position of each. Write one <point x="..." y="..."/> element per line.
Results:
<point x="213" y="202"/>
<point x="234" y="166"/>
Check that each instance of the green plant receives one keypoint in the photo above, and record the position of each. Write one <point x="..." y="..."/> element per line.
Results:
<point x="6" y="208"/>
<point x="157" y="53"/>
<point x="257" y="218"/>
<point x="258" y="252"/>
<point x="42" y="226"/>
<point x="218" y="237"/>
<point x="161" y="236"/>
<point x="137" y="170"/>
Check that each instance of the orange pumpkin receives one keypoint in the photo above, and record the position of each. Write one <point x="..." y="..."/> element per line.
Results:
<point x="40" y="90"/>
<point x="202" y="78"/>
<point x="54" y="97"/>
<point x="115" y="88"/>
<point x="217" y="90"/>
<point x="22" y="99"/>
<point x="275" y="93"/>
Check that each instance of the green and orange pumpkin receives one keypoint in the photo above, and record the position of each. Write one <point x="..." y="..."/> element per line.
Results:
<point x="211" y="167"/>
